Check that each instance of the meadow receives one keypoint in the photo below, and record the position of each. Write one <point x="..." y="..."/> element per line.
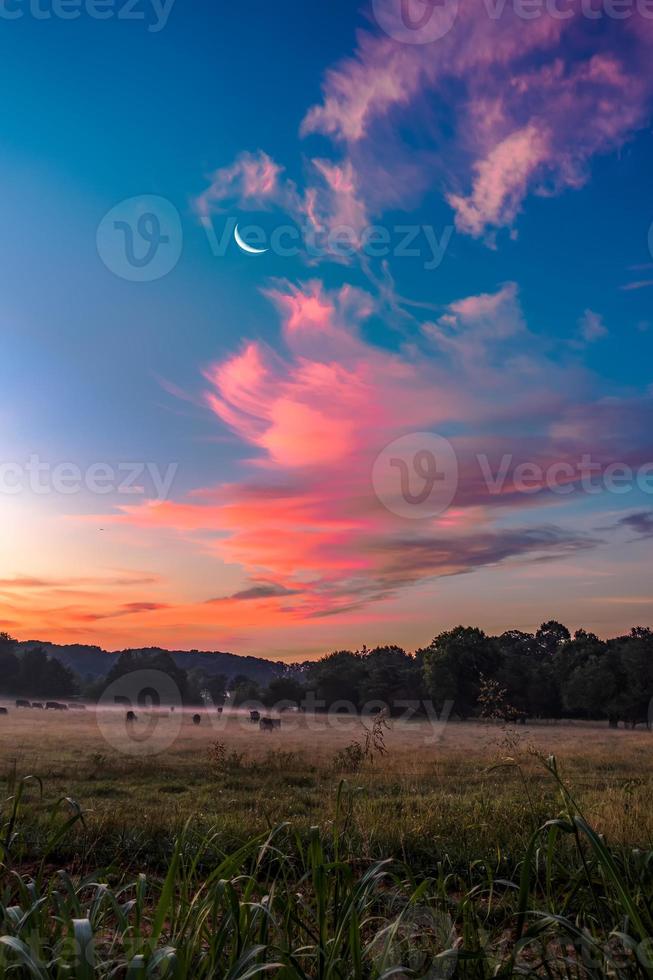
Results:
<point x="308" y="856"/>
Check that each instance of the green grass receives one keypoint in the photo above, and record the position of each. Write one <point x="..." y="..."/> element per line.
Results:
<point x="300" y="902"/>
<point x="470" y="857"/>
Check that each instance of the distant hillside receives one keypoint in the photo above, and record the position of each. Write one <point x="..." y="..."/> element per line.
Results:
<point x="91" y="662"/>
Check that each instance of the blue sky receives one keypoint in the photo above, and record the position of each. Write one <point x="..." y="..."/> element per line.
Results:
<point x="99" y="369"/>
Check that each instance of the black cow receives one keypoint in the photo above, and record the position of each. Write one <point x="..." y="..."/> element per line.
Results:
<point x="38" y="705"/>
<point x="130" y="716"/>
<point x="197" y="719"/>
<point x="55" y="706"/>
<point x="254" y="716"/>
<point x="269" y="724"/>
<point x="20" y="703"/>
<point x="3" y="711"/>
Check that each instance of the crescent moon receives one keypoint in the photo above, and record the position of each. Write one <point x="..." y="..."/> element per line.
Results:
<point x="245" y="247"/>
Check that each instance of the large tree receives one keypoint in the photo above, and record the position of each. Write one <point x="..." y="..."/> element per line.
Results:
<point x="391" y="675"/>
<point x="149" y="660"/>
<point x="454" y="663"/>
<point x="40" y="676"/>
<point x="284" y="688"/>
<point x="9" y="665"/>
<point x="340" y="676"/>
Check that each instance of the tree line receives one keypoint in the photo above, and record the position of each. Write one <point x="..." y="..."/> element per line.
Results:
<point x="34" y="674"/>
<point x="546" y="674"/>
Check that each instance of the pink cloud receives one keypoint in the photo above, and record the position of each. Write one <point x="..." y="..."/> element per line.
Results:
<point x="525" y="108"/>
<point x="329" y="399"/>
<point x="335" y="201"/>
<point x="313" y="415"/>
<point x="501" y="108"/>
<point x="253" y="178"/>
<point x="331" y="198"/>
<point x="500" y="181"/>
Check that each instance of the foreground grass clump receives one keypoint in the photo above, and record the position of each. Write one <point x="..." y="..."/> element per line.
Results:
<point x="308" y="905"/>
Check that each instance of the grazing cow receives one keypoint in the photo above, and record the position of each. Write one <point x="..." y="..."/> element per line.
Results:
<point x="20" y="703"/>
<point x="197" y="719"/>
<point x="3" y="711"/>
<point x="269" y="724"/>
<point x="38" y="705"/>
<point x="130" y="716"/>
<point x="255" y="716"/>
<point x="220" y="710"/>
<point x="55" y="706"/>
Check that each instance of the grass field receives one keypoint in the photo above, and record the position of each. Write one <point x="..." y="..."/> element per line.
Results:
<point x="420" y="798"/>
<point x="459" y="816"/>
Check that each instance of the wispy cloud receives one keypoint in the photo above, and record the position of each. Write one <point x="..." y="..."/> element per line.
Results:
<point x="641" y="522"/>
<point x="523" y="106"/>
<point x="313" y="413"/>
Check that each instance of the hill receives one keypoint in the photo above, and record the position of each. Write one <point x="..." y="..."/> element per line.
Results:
<point x="92" y="662"/>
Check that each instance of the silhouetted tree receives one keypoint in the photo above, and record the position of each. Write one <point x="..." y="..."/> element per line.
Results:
<point x="391" y="675"/>
<point x="284" y="687"/>
<point x="59" y="680"/>
<point x="636" y="656"/>
<point x="551" y="636"/>
<point x="156" y="660"/>
<point x="244" y="690"/>
<point x="41" y="676"/>
<point x="199" y="683"/>
<point x="340" y="676"/>
<point x="453" y="664"/>
<point x="9" y="665"/>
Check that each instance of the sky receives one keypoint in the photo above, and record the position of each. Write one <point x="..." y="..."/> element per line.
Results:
<point x="417" y="394"/>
